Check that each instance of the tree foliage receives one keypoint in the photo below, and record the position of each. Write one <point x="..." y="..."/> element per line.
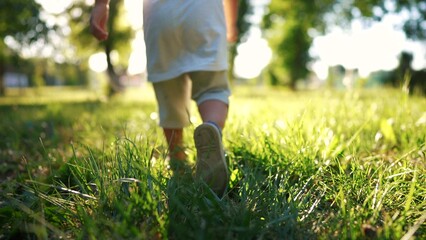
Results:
<point x="289" y="23"/>
<point x="292" y="25"/>
<point x="19" y="19"/>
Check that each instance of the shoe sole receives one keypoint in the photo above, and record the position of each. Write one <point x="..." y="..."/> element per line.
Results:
<point x="211" y="165"/>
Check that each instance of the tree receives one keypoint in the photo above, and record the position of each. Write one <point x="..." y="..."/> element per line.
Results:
<point x="288" y="24"/>
<point x="20" y="20"/>
<point x="118" y="41"/>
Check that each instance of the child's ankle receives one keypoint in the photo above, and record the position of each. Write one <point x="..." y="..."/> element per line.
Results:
<point x="217" y="126"/>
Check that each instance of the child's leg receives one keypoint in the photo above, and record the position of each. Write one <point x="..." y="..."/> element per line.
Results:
<point x="174" y="139"/>
<point x="211" y="92"/>
<point x="173" y="98"/>
<point x="215" y="111"/>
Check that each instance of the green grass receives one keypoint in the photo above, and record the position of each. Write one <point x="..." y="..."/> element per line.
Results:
<point x="307" y="165"/>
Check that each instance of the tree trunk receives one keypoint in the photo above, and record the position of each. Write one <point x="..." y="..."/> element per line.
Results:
<point x="2" y="85"/>
<point x="293" y="85"/>
<point x="114" y="79"/>
<point x="232" y="51"/>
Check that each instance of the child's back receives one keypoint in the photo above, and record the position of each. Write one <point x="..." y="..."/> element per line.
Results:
<point x="184" y="36"/>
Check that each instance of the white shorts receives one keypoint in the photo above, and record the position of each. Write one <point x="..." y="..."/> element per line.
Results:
<point x="174" y="95"/>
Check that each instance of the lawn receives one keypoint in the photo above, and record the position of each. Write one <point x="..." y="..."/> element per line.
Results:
<point x="309" y="165"/>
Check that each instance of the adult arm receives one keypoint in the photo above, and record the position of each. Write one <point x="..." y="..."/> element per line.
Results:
<point x="99" y="19"/>
<point x="231" y="14"/>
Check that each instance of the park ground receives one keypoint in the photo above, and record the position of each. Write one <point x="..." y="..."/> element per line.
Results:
<point x="323" y="164"/>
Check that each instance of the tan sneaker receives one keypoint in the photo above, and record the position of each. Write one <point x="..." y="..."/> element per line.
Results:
<point x="211" y="164"/>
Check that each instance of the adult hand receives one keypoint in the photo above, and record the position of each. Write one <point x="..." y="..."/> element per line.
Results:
<point x="98" y="21"/>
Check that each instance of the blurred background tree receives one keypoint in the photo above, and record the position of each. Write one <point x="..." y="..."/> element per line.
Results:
<point x="290" y="27"/>
<point x="20" y="20"/>
<point x="24" y="23"/>
<point x="288" y="24"/>
<point x="117" y="44"/>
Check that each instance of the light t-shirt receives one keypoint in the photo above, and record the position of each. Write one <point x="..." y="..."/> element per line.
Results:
<point x="183" y="36"/>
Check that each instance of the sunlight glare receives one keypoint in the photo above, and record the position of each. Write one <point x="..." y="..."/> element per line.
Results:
<point x="137" y="60"/>
<point x="153" y="115"/>
<point x="253" y="55"/>
<point x="419" y="54"/>
<point x="54" y="7"/>
<point x="320" y="68"/>
<point x="97" y="62"/>
<point x="366" y="49"/>
<point x="134" y="13"/>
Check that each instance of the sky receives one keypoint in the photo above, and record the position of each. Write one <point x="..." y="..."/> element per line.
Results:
<point x="55" y="6"/>
<point x="366" y="49"/>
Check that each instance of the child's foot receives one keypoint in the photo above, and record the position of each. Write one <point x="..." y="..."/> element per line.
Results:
<point x="180" y="167"/>
<point x="211" y="164"/>
<point x="179" y="164"/>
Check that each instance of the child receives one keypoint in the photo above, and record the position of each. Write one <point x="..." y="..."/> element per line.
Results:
<point x="187" y="59"/>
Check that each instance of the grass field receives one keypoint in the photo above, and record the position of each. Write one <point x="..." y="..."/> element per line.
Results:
<point x="307" y="165"/>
